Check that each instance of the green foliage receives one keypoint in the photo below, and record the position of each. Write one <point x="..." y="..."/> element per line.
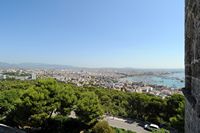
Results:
<point x="147" y="107"/>
<point x="89" y="108"/>
<point x="102" y="127"/>
<point x="175" y="111"/>
<point x="113" y="102"/>
<point x="160" y="131"/>
<point x="36" y="103"/>
<point x="67" y="101"/>
<point x="8" y="101"/>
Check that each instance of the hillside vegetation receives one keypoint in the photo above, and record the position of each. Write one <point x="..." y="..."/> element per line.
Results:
<point x="45" y="104"/>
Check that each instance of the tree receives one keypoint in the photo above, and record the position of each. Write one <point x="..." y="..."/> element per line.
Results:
<point x="175" y="111"/>
<point x="8" y="101"/>
<point x="88" y="108"/>
<point x="154" y="109"/>
<point x="138" y="105"/>
<point x="175" y="104"/>
<point x="102" y="127"/>
<point x="38" y="103"/>
<point x="67" y="100"/>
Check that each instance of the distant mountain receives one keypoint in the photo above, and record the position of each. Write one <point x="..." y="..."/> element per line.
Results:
<point x="34" y="66"/>
<point x="47" y="66"/>
<point x="5" y="65"/>
<point x="54" y="66"/>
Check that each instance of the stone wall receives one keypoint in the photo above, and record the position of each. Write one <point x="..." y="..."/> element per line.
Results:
<point x="192" y="66"/>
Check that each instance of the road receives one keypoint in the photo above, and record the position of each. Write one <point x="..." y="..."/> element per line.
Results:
<point x="126" y="124"/>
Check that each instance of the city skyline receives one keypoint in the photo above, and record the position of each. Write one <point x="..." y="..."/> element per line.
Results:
<point x="116" y="34"/>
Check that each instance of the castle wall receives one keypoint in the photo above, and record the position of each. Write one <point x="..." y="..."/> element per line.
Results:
<point x="192" y="66"/>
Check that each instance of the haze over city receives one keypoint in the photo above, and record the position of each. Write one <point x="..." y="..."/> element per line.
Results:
<point x="92" y="33"/>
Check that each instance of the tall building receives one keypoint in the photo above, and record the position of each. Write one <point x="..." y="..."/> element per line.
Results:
<point x="192" y="66"/>
<point x="33" y="76"/>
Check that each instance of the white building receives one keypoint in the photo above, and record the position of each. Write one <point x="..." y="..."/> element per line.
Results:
<point x="33" y="76"/>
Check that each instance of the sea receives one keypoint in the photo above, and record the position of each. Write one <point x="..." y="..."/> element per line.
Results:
<point x="174" y="79"/>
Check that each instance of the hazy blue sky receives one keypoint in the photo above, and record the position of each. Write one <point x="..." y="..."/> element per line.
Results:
<point x="93" y="33"/>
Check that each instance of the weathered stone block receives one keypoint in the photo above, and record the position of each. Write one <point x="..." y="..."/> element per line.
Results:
<point x="198" y="43"/>
<point x="195" y="68"/>
<point x="188" y="53"/>
<point x="195" y="88"/>
<point x="188" y="82"/>
<point x="188" y="70"/>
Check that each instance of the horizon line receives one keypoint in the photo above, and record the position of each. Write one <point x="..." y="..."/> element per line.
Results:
<point x="105" y="67"/>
